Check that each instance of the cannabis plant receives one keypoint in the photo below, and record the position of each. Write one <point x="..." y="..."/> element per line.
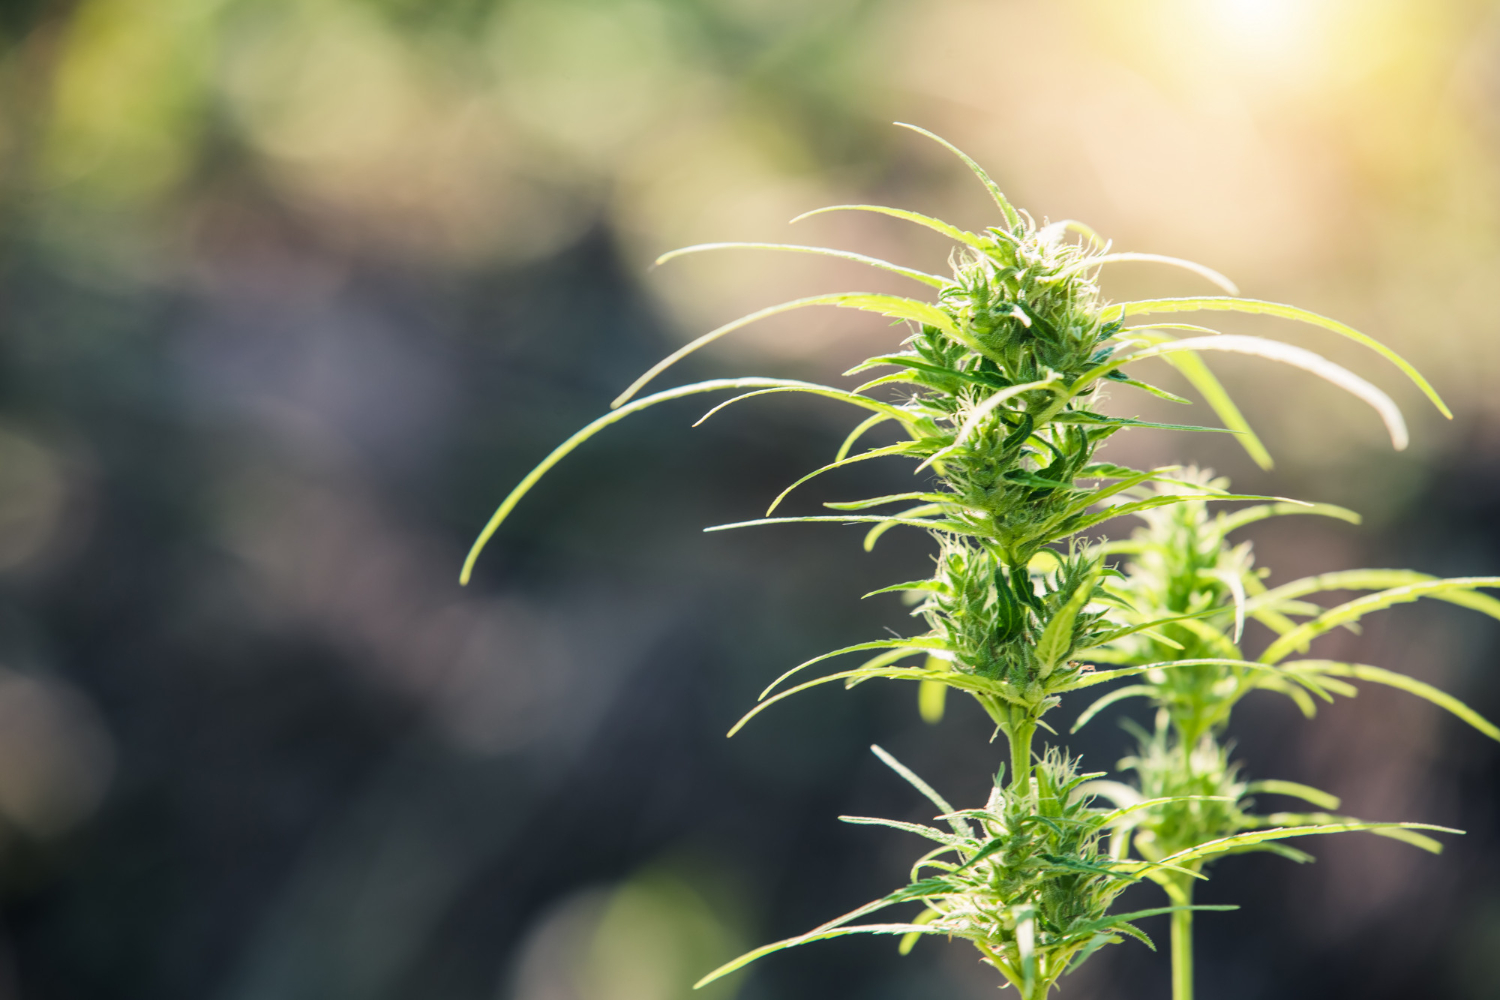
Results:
<point x="1181" y="561"/>
<point x="995" y="393"/>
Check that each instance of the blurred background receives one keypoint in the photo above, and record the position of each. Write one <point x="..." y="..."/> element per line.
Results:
<point x="293" y="291"/>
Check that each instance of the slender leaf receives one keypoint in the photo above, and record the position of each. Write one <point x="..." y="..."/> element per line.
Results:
<point x="885" y="265"/>
<point x="1379" y="675"/>
<point x="1352" y="611"/>
<point x="1012" y="217"/>
<point x="1258" y="306"/>
<point x="1298" y="357"/>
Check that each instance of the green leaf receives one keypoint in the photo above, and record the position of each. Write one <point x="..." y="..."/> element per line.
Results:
<point x="885" y="305"/>
<point x="932" y="700"/>
<point x="1306" y="793"/>
<point x="1249" y="515"/>
<point x="1119" y="694"/>
<point x="771" y="949"/>
<point x="1298" y="357"/>
<point x="1057" y="638"/>
<point x="944" y="498"/>
<point x="931" y="833"/>
<point x="902" y="449"/>
<point x="1159" y="393"/>
<point x="827" y="391"/>
<point x="1085" y="417"/>
<point x="953" y="678"/>
<point x="931" y="525"/>
<point x="1124" y="811"/>
<point x="1258" y="306"/>
<point x="1201" y="378"/>
<point x="1121" y="633"/>
<point x="1371" y="579"/>
<point x="915" y="275"/>
<point x="959" y="826"/>
<point x="1012" y="217"/>
<point x="1379" y="675"/>
<point x="858" y="432"/>
<point x="1162" y="501"/>
<point x="873" y="535"/>
<point x="563" y="450"/>
<point x="1405" y="836"/>
<point x="1241" y="840"/>
<point x="1106" y="922"/>
<point x="1352" y="611"/>
<point x="916" y="644"/>
<point x="1105" y="676"/>
<point x="937" y="225"/>
<point x="1154" y="258"/>
<point x="910" y="940"/>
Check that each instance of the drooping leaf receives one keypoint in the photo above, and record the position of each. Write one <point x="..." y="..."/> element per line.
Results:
<point x="936" y="225"/>
<point x="1353" y="611"/>
<point x="1155" y="258"/>
<point x="1298" y="357"/>
<point x="1258" y="306"/>
<point x="1201" y="378"/>
<point x="885" y="265"/>
<point x="1274" y="786"/>
<point x="1379" y="675"/>
<point x="563" y="450"/>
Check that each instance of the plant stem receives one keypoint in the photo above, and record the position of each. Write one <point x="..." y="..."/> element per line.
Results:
<point x="1022" y="728"/>
<point x="1182" y="945"/>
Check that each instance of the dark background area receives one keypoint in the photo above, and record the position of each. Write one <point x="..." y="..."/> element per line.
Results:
<point x="292" y="293"/>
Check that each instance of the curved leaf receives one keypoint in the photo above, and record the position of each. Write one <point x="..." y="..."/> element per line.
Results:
<point x="937" y="225"/>
<point x="1240" y="840"/>
<point x="885" y="305"/>
<point x="1298" y="638"/>
<point x="1261" y="307"/>
<point x="826" y="391"/>
<point x="1379" y="675"/>
<point x="1119" y="694"/>
<point x="959" y="826"/>
<point x="563" y="450"/>
<point x="902" y="449"/>
<point x="1275" y="786"/>
<point x="1299" y="357"/>
<point x="1155" y="258"/>
<point x="1249" y="515"/>
<point x="859" y="258"/>
<point x="916" y="644"/>
<point x="1214" y="394"/>
<point x="858" y="432"/>
<point x="1012" y="217"/>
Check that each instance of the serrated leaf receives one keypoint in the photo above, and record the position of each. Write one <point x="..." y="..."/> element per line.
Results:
<point x="1057" y="638"/>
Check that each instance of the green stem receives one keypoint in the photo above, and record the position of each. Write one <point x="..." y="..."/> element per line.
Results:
<point x="1022" y="728"/>
<point x="1182" y="945"/>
